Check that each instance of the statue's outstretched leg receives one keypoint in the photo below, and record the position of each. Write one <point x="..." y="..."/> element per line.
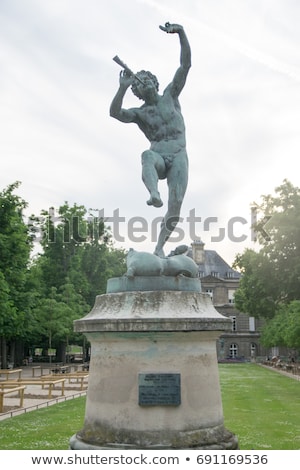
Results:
<point x="177" y="179"/>
<point x="165" y="232"/>
<point x="159" y="251"/>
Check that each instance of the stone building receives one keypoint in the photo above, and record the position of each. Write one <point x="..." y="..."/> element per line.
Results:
<point x="220" y="281"/>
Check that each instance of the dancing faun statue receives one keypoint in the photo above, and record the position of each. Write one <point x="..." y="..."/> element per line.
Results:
<point x="160" y="119"/>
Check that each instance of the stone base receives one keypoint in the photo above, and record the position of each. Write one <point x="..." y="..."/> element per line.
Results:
<point x="153" y="283"/>
<point x="141" y="343"/>
<point x="217" y="438"/>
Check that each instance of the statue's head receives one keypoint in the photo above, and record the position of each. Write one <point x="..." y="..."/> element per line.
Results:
<point x="143" y="75"/>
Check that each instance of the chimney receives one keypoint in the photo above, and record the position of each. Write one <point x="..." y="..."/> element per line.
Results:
<point x="198" y="251"/>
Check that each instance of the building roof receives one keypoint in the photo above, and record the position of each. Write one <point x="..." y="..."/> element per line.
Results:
<point x="214" y="265"/>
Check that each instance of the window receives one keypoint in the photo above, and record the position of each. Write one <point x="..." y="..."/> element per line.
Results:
<point x="210" y="292"/>
<point x="231" y="296"/>
<point x="233" y="351"/>
<point x="251" y="324"/>
<point x="233" y="323"/>
<point x="215" y="274"/>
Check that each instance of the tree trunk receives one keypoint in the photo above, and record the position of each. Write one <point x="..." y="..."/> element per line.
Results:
<point x="3" y="353"/>
<point x="19" y="352"/>
<point x="61" y="352"/>
<point x="12" y="351"/>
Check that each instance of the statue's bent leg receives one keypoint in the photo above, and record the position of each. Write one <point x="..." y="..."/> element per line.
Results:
<point x="152" y="166"/>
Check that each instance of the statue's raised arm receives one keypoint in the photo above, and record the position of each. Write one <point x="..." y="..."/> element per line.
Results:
<point x="185" y="56"/>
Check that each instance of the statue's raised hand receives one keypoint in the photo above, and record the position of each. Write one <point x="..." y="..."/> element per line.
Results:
<point x="171" y="28"/>
<point x="126" y="79"/>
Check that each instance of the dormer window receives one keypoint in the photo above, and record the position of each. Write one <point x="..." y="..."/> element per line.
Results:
<point x="215" y="274"/>
<point x="230" y="274"/>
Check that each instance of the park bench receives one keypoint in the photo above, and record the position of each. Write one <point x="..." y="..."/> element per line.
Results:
<point x="34" y="369"/>
<point x="50" y="381"/>
<point x="8" y="372"/>
<point x="80" y="367"/>
<point x="43" y="368"/>
<point x="79" y="376"/>
<point x="60" y="369"/>
<point x="11" y="389"/>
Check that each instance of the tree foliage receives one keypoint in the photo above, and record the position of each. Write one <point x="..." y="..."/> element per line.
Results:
<point x="270" y="285"/>
<point x="41" y="297"/>
<point x="271" y="275"/>
<point x="282" y="247"/>
<point x="257" y="291"/>
<point x="284" y="328"/>
<point x="15" y="246"/>
<point x="77" y="247"/>
<point x="77" y="259"/>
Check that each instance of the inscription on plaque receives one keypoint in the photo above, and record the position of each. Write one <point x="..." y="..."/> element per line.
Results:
<point x="159" y="389"/>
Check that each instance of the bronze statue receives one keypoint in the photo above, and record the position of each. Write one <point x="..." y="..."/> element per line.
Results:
<point x="160" y="119"/>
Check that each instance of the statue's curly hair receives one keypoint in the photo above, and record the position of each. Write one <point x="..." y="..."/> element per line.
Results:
<point x="142" y="74"/>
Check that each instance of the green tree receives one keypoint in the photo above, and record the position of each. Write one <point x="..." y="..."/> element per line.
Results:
<point x="99" y="262"/>
<point x="78" y="257"/>
<point x="78" y="247"/>
<point x="271" y="275"/>
<point x="15" y="247"/>
<point x="257" y="294"/>
<point x="282" y="246"/>
<point x="269" y="286"/>
<point x="60" y="241"/>
<point x="284" y="328"/>
<point x="55" y="316"/>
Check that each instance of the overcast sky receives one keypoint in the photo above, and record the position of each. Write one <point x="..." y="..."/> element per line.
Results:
<point x="241" y="106"/>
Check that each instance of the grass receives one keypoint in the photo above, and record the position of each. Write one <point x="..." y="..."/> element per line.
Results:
<point x="43" y="429"/>
<point x="260" y="406"/>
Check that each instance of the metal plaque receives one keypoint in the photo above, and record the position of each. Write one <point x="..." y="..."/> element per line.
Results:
<point x="159" y="389"/>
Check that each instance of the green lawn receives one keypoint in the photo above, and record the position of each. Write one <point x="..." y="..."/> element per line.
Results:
<point x="260" y="406"/>
<point x="43" y="429"/>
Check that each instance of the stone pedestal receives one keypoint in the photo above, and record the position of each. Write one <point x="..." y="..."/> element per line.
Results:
<point x="153" y="380"/>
